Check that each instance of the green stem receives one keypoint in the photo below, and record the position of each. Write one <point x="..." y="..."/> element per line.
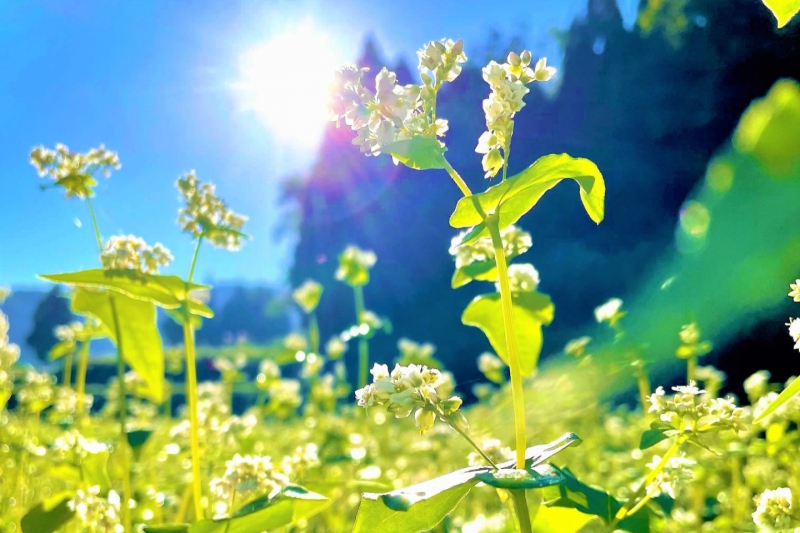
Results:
<point x="471" y="442"/>
<point x="83" y="368"/>
<point x="643" y="383"/>
<point x="94" y="223"/>
<point x="517" y="392"/>
<point x="68" y="370"/>
<point x="457" y="178"/>
<point x="506" y="154"/>
<point x="521" y="510"/>
<point x="691" y="369"/>
<point x="123" y="415"/>
<point x="632" y="504"/>
<point x="363" y="347"/>
<point x="313" y="332"/>
<point x="191" y="393"/>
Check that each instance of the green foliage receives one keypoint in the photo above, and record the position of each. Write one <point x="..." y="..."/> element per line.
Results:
<point x="511" y="199"/>
<point x="49" y="515"/>
<point x="532" y="310"/>
<point x="419" y="153"/>
<point x="784" y="10"/>
<point x="651" y="437"/>
<point x="788" y="393"/>
<point x="138" y="333"/>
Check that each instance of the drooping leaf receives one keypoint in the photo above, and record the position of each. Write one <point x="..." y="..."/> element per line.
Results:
<point x="166" y="291"/>
<point x="572" y="493"/>
<point x="422" y="506"/>
<point x="783" y="397"/>
<point x="783" y="10"/>
<point x="513" y="479"/>
<point x="141" y="343"/>
<point x="651" y="437"/>
<point x="49" y="515"/>
<point x="419" y="153"/>
<point x="293" y="504"/>
<point x="532" y="310"/>
<point x="514" y="197"/>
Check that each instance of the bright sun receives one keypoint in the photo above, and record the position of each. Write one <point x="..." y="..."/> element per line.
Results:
<point x="285" y="82"/>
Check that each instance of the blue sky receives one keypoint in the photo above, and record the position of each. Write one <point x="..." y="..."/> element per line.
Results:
<point x="153" y="80"/>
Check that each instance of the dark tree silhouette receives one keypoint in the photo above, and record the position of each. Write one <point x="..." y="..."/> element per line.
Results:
<point x="52" y="310"/>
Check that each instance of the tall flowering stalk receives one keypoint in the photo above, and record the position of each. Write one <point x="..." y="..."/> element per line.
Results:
<point x="206" y="217"/>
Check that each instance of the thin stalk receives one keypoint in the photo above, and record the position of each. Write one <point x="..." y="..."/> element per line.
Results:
<point x="521" y="510"/>
<point x="517" y="392"/>
<point x="691" y="369"/>
<point x="313" y="332"/>
<point x="506" y="154"/>
<point x="457" y="178"/>
<point x="471" y="442"/>
<point x="191" y="394"/>
<point x="632" y="505"/>
<point x="363" y="347"/>
<point x="80" y="379"/>
<point x="68" y="370"/>
<point x="123" y="433"/>
<point x="643" y="383"/>
<point x="94" y="224"/>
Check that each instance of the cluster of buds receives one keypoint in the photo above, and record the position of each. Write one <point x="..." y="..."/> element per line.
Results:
<point x="248" y="476"/>
<point x="508" y="87"/>
<point x="415" y="353"/>
<point x="72" y="446"/>
<point x="410" y="388"/>
<point x="284" y="398"/>
<point x="674" y="475"/>
<point x="128" y="252"/>
<point x="494" y="450"/>
<point x="74" y="171"/>
<point x="65" y="404"/>
<point x="394" y="112"/>
<point x="691" y="410"/>
<point x="307" y="295"/>
<point x="95" y="513"/>
<point x="354" y="266"/>
<point x="268" y="373"/>
<point x="522" y="278"/>
<point x="492" y="367"/>
<point x="610" y="312"/>
<point x="301" y="461"/>
<point x="335" y="347"/>
<point x="774" y="510"/>
<point x="516" y="241"/>
<point x="691" y="345"/>
<point x="206" y="216"/>
<point x="37" y="391"/>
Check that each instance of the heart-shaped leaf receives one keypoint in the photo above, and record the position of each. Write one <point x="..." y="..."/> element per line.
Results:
<point x="419" y="153"/>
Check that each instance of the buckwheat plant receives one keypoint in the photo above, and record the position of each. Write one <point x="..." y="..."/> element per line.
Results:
<point x="402" y="121"/>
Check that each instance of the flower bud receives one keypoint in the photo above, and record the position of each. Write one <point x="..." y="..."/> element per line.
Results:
<point x="492" y="163"/>
<point x="525" y="57"/>
<point x="513" y="59"/>
<point x="424" y="420"/>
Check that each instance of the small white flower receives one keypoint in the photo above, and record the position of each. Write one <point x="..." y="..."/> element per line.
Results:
<point x="542" y="72"/>
<point x="774" y="509"/>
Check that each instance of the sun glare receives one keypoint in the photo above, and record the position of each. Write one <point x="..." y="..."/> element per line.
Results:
<point x="285" y="82"/>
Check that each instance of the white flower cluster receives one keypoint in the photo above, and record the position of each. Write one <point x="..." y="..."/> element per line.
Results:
<point x="610" y="312"/>
<point x="794" y="294"/>
<point x="691" y="409"/>
<point x="508" y="87"/>
<point x="301" y="461"/>
<point x="268" y="373"/>
<point x="516" y="241"/>
<point x="774" y="510"/>
<point x="335" y="347"/>
<point x="408" y="388"/>
<point x="230" y="368"/>
<point x="711" y="377"/>
<point x="65" y="404"/>
<point x="757" y="385"/>
<point x="577" y="347"/>
<point x="37" y="391"/>
<point x="206" y="215"/>
<point x="284" y="398"/>
<point x="74" y="171"/>
<point x="674" y="476"/>
<point x="492" y="367"/>
<point x="394" y="112"/>
<point x="9" y="354"/>
<point x="307" y="295"/>
<point x="522" y="278"/>
<point x="97" y="514"/>
<point x="247" y="476"/>
<point x="128" y="252"/>
<point x="354" y="265"/>
<point x="73" y="446"/>
<point x="794" y="331"/>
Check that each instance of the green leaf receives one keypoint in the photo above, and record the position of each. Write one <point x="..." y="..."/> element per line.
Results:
<point x="514" y="197"/>
<point x="166" y="291"/>
<point x="264" y="514"/>
<point x="783" y="10"/>
<point x="787" y="394"/>
<point x="137" y="437"/>
<point x="141" y="343"/>
<point x="770" y="128"/>
<point x="531" y="311"/>
<point x="49" y="515"/>
<point x="61" y="349"/>
<point x="651" y="437"/>
<point x="168" y="528"/>
<point x="419" y="153"/>
<point x="572" y="493"/>
<point x="94" y="470"/>
<point x="511" y="478"/>
<point x="422" y="506"/>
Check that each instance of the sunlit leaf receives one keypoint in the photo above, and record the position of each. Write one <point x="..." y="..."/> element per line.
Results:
<point x="787" y="394"/>
<point x="49" y="515"/>
<point x="141" y="343"/>
<point x="62" y="348"/>
<point x="166" y="291"/>
<point x="264" y="514"/>
<point x="512" y="479"/>
<point x="783" y="10"/>
<point x="420" y="153"/>
<point x="531" y="311"/>
<point x="94" y="470"/>
<point x="168" y="528"/>
<point x="651" y="437"/>
<point x="514" y="197"/>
